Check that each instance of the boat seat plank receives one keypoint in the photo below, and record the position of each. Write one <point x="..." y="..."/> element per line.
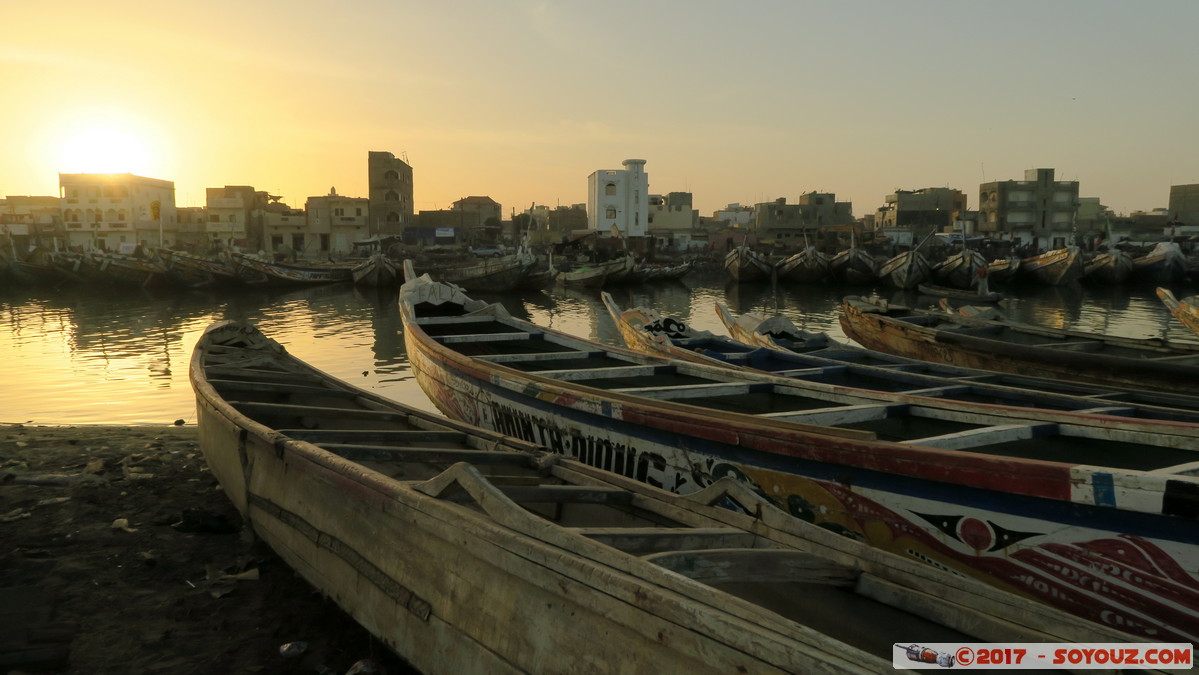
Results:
<point x="1188" y="469"/>
<point x="757" y="566"/>
<point x="686" y="391"/>
<point x="486" y="337"/>
<point x="261" y="375"/>
<point x="317" y="411"/>
<point x="280" y="388"/>
<point x="583" y="374"/>
<point x="985" y="436"/>
<point x="391" y="437"/>
<point x="937" y="392"/>
<point x="646" y="540"/>
<point x="541" y="356"/>
<point x="384" y="453"/>
<point x="836" y="415"/>
<point x="557" y="494"/>
<point x="460" y="319"/>
<point x="1121" y="411"/>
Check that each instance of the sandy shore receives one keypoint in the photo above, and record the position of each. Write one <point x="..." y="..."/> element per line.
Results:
<point x="119" y="553"/>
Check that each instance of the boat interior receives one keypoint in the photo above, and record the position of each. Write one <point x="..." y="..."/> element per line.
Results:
<point x="505" y="341"/>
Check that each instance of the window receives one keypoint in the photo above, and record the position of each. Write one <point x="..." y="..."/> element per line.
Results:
<point x="339" y="212"/>
<point x="610" y="213"/>
<point x="233" y="217"/>
<point x="391" y="174"/>
<point x="358" y="211"/>
<point x="391" y="196"/>
<point x="393" y="217"/>
<point x="610" y="189"/>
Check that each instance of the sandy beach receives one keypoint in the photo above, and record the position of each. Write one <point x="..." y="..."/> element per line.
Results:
<point x="119" y="553"/>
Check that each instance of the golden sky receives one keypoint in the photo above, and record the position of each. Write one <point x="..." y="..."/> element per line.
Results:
<point x="522" y="100"/>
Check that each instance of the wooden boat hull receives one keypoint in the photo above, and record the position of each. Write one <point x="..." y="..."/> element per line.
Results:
<point x="1003" y="269"/>
<point x="377" y="271"/>
<point x="490" y="276"/>
<point x="893" y="495"/>
<point x="959" y="293"/>
<point x="193" y="271"/>
<point x="960" y="270"/>
<point x="906" y="270"/>
<point x="1111" y="268"/>
<point x="746" y="266"/>
<point x="854" y="266"/>
<point x="809" y="266"/>
<point x="595" y="275"/>
<point x="1185" y="310"/>
<point x="1165" y="264"/>
<point x="1069" y="356"/>
<point x="1054" y="268"/>
<point x="254" y="271"/>
<point x="130" y="271"/>
<point x="441" y="560"/>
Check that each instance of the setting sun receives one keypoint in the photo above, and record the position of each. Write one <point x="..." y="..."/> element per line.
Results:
<point x="105" y="149"/>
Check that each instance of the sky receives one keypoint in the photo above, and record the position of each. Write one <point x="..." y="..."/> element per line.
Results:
<point x="521" y="100"/>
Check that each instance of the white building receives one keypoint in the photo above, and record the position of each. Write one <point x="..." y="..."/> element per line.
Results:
<point x="619" y="199"/>
<point x="108" y="210"/>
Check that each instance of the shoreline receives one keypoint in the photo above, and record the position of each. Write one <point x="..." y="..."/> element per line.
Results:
<point x="121" y="554"/>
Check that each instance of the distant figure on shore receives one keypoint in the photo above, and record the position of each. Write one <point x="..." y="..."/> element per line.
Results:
<point x="982" y="280"/>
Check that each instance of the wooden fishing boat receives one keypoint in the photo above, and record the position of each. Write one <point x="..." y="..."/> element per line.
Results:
<point x="127" y="270"/>
<point x="780" y="333"/>
<point x="959" y="293"/>
<point x="1054" y="268"/>
<point x="747" y="266"/>
<point x="854" y="266"/>
<point x="1031" y="507"/>
<point x="1110" y="268"/>
<point x="255" y="271"/>
<point x="1003" y="269"/>
<point x="906" y="270"/>
<point x="1147" y="363"/>
<point x="377" y="270"/>
<point x="38" y="269"/>
<point x="593" y="275"/>
<point x="960" y="270"/>
<point x="809" y="266"/>
<point x="494" y="275"/>
<point x="438" y="537"/>
<point x="1185" y="310"/>
<point x="193" y="271"/>
<point x="1163" y="264"/>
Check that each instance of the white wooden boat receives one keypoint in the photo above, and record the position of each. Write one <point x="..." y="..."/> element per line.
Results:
<point x="746" y="266"/>
<point x="467" y="551"/>
<point x="1054" y="268"/>
<point x="809" y="266"/>
<point x="377" y="270"/>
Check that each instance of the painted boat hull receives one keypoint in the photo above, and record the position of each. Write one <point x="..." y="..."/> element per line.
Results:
<point x="1054" y="268"/>
<point x="809" y="266"/>
<point x="376" y="271"/>
<point x="854" y="266"/>
<point x="254" y="271"/>
<point x="1165" y="264"/>
<point x="1111" y="268"/>
<point x="906" y="270"/>
<point x="746" y="266"/>
<point x="1186" y="310"/>
<point x="1021" y="525"/>
<point x="960" y="270"/>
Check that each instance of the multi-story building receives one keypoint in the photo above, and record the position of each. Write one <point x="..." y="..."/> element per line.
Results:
<point x="117" y="211"/>
<point x="32" y="221"/>
<point x="193" y="224"/>
<point x="911" y="215"/>
<point x="1184" y="208"/>
<point x="819" y="210"/>
<point x="618" y="200"/>
<point x="335" y="222"/>
<point x="1037" y="211"/>
<point x="794" y="226"/>
<point x="672" y="221"/>
<point x="390" y="193"/>
<point x="232" y="213"/>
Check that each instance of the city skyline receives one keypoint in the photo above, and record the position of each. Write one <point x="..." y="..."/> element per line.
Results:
<point x="521" y="101"/>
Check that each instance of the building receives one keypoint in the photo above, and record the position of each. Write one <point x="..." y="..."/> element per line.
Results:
<point x="911" y="215"/>
<point x="819" y="210"/>
<point x="672" y="221"/>
<point x="334" y="222"/>
<point x="1184" y="207"/>
<point x="1038" y="211"/>
<point x="618" y="200"/>
<point x="117" y="211"/>
<point x="32" y="221"/>
<point x="231" y="213"/>
<point x="192" y="232"/>
<point x="791" y="227"/>
<point x="390" y="205"/>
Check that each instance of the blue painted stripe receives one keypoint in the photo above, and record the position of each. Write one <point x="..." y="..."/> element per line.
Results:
<point x="1104" y="489"/>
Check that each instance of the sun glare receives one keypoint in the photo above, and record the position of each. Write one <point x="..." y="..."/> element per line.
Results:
<point x="104" y="150"/>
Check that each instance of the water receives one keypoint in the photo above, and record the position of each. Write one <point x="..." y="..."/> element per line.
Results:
<point x="108" y="356"/>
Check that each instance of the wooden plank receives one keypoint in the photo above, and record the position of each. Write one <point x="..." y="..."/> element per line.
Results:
<point x="559" y="494"/>
<point x="837" y="415"/>
<point x="613" y="372"/>
<point x="758" y="566"/>
<point x="645" y="540"/>
<point x="388" y="436"/>
<point x="985" y="436"/>
<point x="228" y="386"/>
<point x="486" y="337"/>
<point x="1076" y="346"/>
<point x="251" y="408"/>
<point x="541" y="356"/>
<point x="384" y="453"/>
<point x="686" y="391"/>
<point x="262" y="375"/>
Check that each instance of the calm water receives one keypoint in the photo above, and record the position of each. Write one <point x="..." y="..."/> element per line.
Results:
<point x="101" y="356"/>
